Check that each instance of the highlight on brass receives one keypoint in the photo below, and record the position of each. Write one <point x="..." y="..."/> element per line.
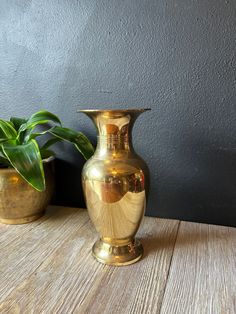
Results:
<point x="115" y="185"/>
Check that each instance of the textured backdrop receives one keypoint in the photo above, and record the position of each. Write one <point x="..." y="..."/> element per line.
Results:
<point x="175" y="56"/>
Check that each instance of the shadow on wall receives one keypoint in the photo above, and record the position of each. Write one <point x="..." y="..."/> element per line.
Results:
<point x="204" y="189"/>
<point x="68" y="187"/>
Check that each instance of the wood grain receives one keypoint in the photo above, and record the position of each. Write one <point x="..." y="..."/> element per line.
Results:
<point x="137" y="288"/>
<point x="20" y="258"/>
<point x="202" y="276"/>
<point x="47" y="267"/>
<point x="9" y="233"/>
<point x="55" y="272"/>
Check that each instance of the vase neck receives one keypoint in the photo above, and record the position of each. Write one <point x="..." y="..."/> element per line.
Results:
<point x="113" y="145"/>
<point x="114" y="134"/>
<point x="114" y="129"/>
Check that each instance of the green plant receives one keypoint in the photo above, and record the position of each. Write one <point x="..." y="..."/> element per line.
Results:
<point x="20" y="149"/>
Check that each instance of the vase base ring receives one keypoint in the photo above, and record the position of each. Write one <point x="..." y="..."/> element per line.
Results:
<point x="115" y="255"/>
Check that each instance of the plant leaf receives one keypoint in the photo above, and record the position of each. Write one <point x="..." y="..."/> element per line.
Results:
<point x="3" y="140"/>
<point x="27" y="161"/>
<point x="6" y="130"/>
<point x="46" y="153"/>
<point x="80" y="141"/>
<point x="40" y="117"/>
<point x="17" y="122"/>
<point x="32" y="136"/>
<point x="51" y="142"/>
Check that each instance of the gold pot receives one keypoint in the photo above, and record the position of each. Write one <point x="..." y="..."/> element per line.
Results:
<point x="19" y="202"/>
<point x="115" y="183"/>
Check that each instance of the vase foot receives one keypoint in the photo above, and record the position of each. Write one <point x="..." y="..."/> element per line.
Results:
<point x="109" y="254"/>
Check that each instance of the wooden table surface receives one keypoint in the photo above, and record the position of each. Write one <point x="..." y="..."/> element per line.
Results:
<point x="47" y="267"/>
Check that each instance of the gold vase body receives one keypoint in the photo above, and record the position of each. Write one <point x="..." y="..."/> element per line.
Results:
<point x="115" y="183"/>
<point x="19" y="202"/>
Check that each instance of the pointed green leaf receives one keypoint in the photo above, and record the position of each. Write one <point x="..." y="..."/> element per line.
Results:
<point x="3" y="140"/>
<point x="51" y="142"/>
<point x="32" y="136"/>
<point x="17" y="122"/>
<point x="1" y="152"/>
<point x="27" y="161"/>
<point x="40" y="117"/>
<point x="6" y="130"/>
<point x="46" y="153"/>
<point x="80" y="141"/>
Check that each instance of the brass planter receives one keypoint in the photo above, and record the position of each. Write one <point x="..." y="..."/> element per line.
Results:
<point x="19" y="202"/>
<point x="115" y="183"/>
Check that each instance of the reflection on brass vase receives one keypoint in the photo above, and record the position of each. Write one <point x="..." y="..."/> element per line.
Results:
<point x="19" y="202"/>
<point x="115" y="183"/>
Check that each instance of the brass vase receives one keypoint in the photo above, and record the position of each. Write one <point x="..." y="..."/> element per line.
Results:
<point x="115" y="183"/>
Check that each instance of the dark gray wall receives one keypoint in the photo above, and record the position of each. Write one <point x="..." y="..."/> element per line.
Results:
<point x="175" y="56"/>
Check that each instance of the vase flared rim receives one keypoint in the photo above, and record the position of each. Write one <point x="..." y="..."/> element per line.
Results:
<point x="115" y="110"/>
